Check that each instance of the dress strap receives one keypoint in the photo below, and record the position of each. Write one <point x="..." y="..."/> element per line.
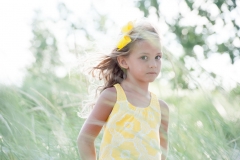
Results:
<point x="155" y="100"/>
<point x="120" y="93"/>
<point x="155" y="103"/>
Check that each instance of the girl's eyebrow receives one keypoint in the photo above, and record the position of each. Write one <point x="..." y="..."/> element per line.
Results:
<point x="144" y="53"/>
<point x="160" y="53"/>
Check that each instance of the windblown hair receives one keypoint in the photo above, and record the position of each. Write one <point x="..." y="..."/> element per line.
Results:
<point x="108" y="69"/>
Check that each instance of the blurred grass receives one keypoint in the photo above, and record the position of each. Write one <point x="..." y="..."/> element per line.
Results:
<point x="39" y="121"/>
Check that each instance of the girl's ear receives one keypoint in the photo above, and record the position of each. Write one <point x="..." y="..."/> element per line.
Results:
<point x="122" y="62"/>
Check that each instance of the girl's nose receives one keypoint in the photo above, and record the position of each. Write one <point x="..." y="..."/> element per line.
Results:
<point x="153" y="64"/>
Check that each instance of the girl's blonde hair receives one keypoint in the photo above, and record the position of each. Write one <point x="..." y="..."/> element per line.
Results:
<point x="108" y="69"/>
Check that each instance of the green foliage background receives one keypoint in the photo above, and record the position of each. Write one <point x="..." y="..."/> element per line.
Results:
<point x="39" y="119"/>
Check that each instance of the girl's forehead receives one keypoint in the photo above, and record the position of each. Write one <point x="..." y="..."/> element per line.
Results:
<point x="153" y="44"/>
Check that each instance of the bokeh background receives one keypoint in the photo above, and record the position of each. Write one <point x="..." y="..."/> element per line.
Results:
<point x="43" y="86"/>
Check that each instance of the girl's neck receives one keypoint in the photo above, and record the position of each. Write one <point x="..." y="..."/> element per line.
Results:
<point x="135" y="87"/>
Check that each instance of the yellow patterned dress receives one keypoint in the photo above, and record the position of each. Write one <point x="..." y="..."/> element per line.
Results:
<point x="131" y="133"/>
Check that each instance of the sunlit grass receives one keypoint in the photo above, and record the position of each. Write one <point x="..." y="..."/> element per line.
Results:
<point x="39" y="121"/>
<point x="197" y="129"/>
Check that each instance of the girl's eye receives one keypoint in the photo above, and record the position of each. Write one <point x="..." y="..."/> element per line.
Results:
<point x="158" y="57"/>
<point x="144" y="57"/>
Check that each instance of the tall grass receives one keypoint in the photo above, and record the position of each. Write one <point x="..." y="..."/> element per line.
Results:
<point x="39" y="121"/>
<point x="202" y="125"/>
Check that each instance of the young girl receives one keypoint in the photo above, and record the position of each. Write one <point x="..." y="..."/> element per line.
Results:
<point x="135" y="121"/>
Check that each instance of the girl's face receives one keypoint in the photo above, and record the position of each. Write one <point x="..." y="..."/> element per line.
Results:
<point x="144" y="61"/>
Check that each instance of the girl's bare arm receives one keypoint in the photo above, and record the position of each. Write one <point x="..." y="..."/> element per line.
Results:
<point x="163" y="132"/>
<point x="94" y="124"/>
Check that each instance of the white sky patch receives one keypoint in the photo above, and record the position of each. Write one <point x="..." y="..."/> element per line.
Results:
<point x="14" y="40"/>
<point x="221" y="66"/>
<point x="198" y="50"/>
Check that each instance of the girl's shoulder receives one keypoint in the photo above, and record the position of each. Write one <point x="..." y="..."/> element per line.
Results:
<point x="164" y="115"/>
<point x="164" y="108"/>
<point x="109" y="95"/>
<point x="104" y="105"/>
<point x="163" y="105"/>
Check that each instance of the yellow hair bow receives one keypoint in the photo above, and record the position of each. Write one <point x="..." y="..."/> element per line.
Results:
<point x="126" y="38"/>
<point x="127" y="28"/>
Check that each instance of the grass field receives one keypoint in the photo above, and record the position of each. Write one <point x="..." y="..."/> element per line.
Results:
<point x="39" y="121"/>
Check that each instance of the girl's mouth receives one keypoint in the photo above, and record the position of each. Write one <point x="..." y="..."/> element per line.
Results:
<point x="151" y="73"/>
